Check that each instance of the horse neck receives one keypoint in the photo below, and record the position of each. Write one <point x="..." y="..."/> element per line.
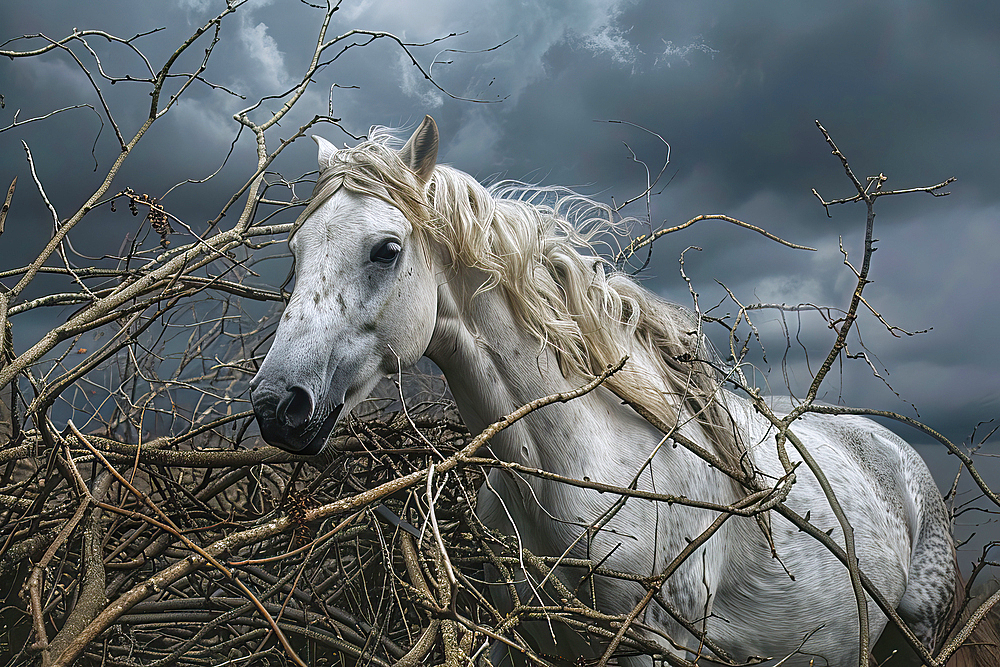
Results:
<point x="494" y="366"/>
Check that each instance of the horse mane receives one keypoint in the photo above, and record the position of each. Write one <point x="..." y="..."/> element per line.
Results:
<point x="538" y="245"/>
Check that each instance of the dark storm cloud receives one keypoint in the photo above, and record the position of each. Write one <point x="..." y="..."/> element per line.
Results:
<point x="906" y="88"/>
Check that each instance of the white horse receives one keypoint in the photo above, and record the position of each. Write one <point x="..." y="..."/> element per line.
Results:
<point x="397" y="257"/>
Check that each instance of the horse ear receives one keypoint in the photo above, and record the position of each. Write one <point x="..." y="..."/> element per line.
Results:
<point x="420" y="152"/>
<point x="326" y="151"/>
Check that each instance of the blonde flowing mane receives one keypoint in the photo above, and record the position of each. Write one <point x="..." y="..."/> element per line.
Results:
<point x="537" y="245"/>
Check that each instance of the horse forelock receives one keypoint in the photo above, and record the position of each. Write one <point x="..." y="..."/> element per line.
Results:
<point x="538" y="244"/>
<point x="371" y="168"/>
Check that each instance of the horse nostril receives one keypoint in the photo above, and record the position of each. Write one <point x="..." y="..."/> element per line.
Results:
<point x="295" y="408"/>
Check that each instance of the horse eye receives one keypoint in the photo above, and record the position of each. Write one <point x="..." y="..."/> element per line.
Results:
<point x="386" y="252"/>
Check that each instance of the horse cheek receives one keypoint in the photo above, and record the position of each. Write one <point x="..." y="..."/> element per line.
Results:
<point x="413" y="313"/>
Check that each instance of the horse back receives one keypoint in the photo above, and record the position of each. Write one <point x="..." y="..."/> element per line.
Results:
<point x="900" y="523"/>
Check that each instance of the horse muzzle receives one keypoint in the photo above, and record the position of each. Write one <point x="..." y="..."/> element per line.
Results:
<point x="288" y="419"/>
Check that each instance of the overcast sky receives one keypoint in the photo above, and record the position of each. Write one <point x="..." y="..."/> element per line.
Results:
<point x="909" y="89"/>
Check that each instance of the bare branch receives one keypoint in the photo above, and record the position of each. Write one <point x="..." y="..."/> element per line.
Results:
<point x="645" y="239"/>
<point x="6" y="204"/>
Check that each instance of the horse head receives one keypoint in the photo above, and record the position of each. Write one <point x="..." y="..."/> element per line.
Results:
<point x="365" y="293"/>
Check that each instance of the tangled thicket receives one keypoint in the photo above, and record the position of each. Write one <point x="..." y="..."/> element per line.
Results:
<point x="198" y="548"/>
<point x="353" y="585"/>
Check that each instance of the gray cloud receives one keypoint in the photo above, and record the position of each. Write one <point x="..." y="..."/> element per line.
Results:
<point x="907" y="89"/>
